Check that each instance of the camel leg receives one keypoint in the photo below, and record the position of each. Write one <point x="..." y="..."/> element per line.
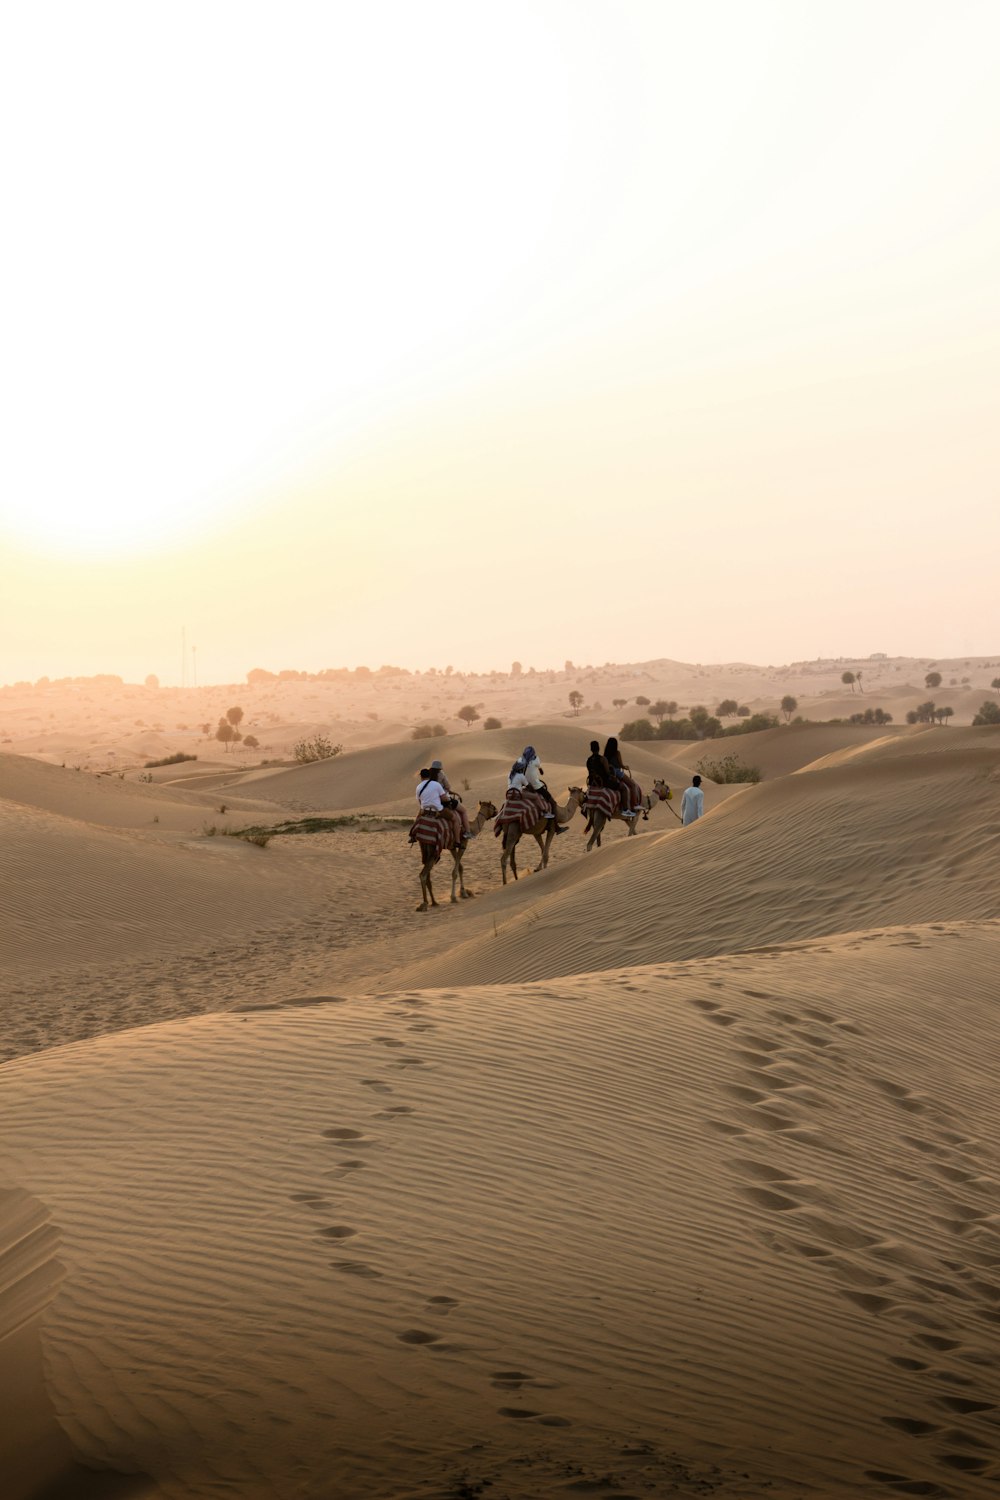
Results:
<point x="425" y="884"/>
<point x="595" y="837"/>
<point x="543" y="841"/>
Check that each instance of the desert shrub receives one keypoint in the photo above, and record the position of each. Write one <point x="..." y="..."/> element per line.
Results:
<point x="492" y="724"/>
<point x="259" y="836"/>
<point x="318" y="748"/>
<point x="170" y="760"/>
<point x="988" y="714"/>
<point x="728" y="769"/>
<point x="469" y="713"/>
<point x="752" y="724"/>
<point x="637" y="729"/>
<point x="677" y="729"/>
<point x="428" y="732"/>
<point x="142" y="776"/>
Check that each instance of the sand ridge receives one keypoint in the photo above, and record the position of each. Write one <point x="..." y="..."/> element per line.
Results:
<point x="760" y="1170"/>
<point x="674" y="1169"/>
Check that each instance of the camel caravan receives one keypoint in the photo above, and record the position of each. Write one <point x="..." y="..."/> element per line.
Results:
<point x="443" y="825"/>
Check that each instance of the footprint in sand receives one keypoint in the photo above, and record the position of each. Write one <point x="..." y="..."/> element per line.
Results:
<point x="337" y="1232"/>
<point x="442" y="1305"/>
<point x="344" y="1135"/>
<point x="376" y="1085"/>
<point x="310" y="1200"/>
<point x="904" y="1486"/>
<point x="388" y="1041"/>
<point x="417" y="1336"/>
<point x="356" y="1268"/>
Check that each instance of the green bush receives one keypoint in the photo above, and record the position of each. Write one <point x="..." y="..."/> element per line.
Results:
<point x="170" y="760"/>
<point x="728" y="770"/>
<point x="988" y="714"/>
<point x="637" y="729"/>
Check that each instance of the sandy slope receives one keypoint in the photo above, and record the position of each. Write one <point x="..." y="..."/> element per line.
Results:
<point x="384" y="776"/>
<point x="698" y="1193"/>
<point x="908" y="833"/>
<point x="726" y="1227"/>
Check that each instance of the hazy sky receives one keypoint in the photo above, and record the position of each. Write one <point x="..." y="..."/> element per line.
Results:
<point x="347" y="333"/>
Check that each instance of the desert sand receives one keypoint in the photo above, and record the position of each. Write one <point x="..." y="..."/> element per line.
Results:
<point x="673" y="1169"/>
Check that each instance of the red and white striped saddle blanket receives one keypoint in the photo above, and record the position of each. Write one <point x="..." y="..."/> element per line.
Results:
<point x="603" y="800"/>
<point x="434" y="830"/>
<point x="523" y="808"/>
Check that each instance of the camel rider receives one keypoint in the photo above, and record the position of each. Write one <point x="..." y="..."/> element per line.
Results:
<point x="623" y="784"/>
<point x="432" y="798"/>
<point x="443" y="781"/>
<point x="599" y="773"/>
<point x="534" y="780"/>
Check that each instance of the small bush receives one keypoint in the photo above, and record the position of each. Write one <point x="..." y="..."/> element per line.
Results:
<point x="428" y="732"/>
<point x="170" y="760"/>
<point x="318" y="748"/>
<point x="489" y="724"/>
<point x="728" y="769"/>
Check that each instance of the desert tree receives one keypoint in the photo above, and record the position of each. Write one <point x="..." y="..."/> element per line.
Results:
<point x="848" y="679"/>
<point x="234" y="715"/>
<point x="492" y="723"/>
<point x="996" y="684"/>
<point x="932" y="680"/>
<point x="619" y="702"/>
<point x="659" y="709"/>
<point x="251" y="742"/>
<point x="575" y="701"/>
<point x="788" y="706"/>
<point x="944" y="714"/>
<point x="728" y="708"/>
<point x="469" y="713"/>
<point x="642" y="702"/>
<point x="227" y="734"/>
<point x="743" y="711"/>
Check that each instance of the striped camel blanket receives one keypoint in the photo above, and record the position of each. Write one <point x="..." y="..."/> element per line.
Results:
<point x="435" y="830"/>
<point x="523" y="808"/>
<point x="603" y="800"/>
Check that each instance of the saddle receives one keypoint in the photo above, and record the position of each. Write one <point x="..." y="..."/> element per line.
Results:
<point x="522" y="808"/>
<point x="433" y="830"/>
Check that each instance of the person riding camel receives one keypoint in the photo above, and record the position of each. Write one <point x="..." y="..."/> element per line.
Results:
<point x="463" y="815"/>
<point x="599" y="773"/>
<point x="527" y="772"/>
<point x="431" y="797"/>
<point x="624" y="785"/>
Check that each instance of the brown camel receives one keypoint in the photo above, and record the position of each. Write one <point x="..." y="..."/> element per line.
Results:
<point x="457" y="846"/>
<point x="543" y="833"/>
<point x="597" y="820"/>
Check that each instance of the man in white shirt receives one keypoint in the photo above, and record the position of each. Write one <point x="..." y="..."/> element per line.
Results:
<point x="692" y="802"/>
<point x="430" y="792"/>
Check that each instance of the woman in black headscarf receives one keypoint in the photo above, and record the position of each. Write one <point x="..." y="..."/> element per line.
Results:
<point x="628" y="792"/>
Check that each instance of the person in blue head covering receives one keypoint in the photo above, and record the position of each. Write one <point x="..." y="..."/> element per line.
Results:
<point x="527" y="772"/>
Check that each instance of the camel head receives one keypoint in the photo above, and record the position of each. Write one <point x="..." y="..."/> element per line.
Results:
<point x="486" y="809"/>
<point x="577" y="794"/>
<point x="663" y="791"/>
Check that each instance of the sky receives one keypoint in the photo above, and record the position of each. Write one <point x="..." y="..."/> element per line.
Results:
<point x="336" y="334"/>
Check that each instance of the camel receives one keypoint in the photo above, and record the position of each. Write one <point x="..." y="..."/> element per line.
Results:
<point x="429" y="857"/>
<point x="543" y="832"/>
<point x="597" y="820"/>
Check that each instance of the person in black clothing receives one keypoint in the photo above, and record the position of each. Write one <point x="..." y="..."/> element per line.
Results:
<point x="599" y="773"/>
<point x="621" y="783"/>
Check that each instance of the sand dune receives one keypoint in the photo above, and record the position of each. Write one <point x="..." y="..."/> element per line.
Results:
<point x="906" y="833"/>
<point x="674" y="1170"/>
<point x="724" y="1227"/>
<point x="384" y="776"/>
<point x="78" y="894"/>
